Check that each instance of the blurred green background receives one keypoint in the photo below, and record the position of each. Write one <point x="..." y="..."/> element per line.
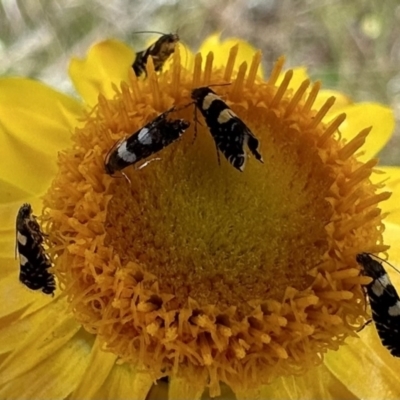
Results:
<point x="351" y="45"/>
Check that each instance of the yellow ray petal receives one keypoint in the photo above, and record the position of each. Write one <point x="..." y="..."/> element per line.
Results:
<point x="362" y="115"/>
<point x="391" y="177"/>
<point x="18" y="326"/>
<point x="55" y="329"/>
<point x="125" y="383"/>
<point x="8" y="265"/>
<point x="7" y="246"/>
<point x="26" y="167"/>
<point x="17" y="295"/>
<point x="11" y="192"/>
<point x="221" y="49"/>
<point x="36" y="114"/>
<point x="363" y="358"/>
<point x="41" y="300"/>
<point x="99" y="367"/>
<point x="317" y="383"/>
<point x="181" y="388"/>
<point x="53" y="378"/>
<point x="107" y="62"/>
<point x="392" y="234"/>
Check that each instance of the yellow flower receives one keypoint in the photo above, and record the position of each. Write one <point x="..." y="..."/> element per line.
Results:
<point x="193" y="270"/>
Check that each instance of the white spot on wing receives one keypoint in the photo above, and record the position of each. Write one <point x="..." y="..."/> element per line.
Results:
<point x="225" y="116"/>
<point x="21" y="239"/>
<point x="125" y="154"/>
<point x="379" y="286"/>
<point x="22" y="259"/>
<point x="207" y="101"/>
<point x="394" y="311"/>
<point x="144" y="136"/>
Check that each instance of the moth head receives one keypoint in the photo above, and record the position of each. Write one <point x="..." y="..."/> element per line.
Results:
<point x="168" y="43"/>
<point x="363" y="258"/>
<point x="25" y="211"/>
<point x="200" y="93"/>
<point x="111" y="159"/>
<point x="172" y="38"/>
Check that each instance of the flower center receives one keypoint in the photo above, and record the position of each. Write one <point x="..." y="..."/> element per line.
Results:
<point x="220" y="236"/>
<point x="193" y="266"/>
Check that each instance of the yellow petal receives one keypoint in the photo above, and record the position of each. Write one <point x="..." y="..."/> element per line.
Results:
<point x="11" y="192"/>
<point x="41" y="300"/>
<point x="364" y="358"/>
<point x="99" y="367"/>
<point x="362" y="115"/>
<point x="34" y="113"/>
<point x="392" y="234"/>
<point x="17" y="295"/>
<point x="317" y="383"/>
<point x="391" y="177"/>
<point x="123" y="383"/>
<point x="181" y="388"/>
<point x="56" y="328"/>
<point x="18" y="326"/>
<point x="35" y="123"/>
<point x="8" y="265"/>
<point x="53" y="378"/>
<point x="107" y="62"/>
<point x="25" y="167"/>
<point x="221" y="49"/>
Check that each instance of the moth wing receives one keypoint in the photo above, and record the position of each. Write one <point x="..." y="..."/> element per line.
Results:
<point x="230" y="138"/>
<point x="253" y="144"/>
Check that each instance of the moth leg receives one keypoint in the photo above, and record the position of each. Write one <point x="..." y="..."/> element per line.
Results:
<point x="366" y="324"/>
<point x="218" y="157"/>
<point x="196" y="121"/>
<point x="126" y="177"/>
<point x="252" y="143"/>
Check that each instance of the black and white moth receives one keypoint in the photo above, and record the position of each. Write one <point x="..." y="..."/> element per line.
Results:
<point x="33" y="260"/>
<point x="147" y="141"/>
<point x="159" y="51"/>
<point x="384" y="302"/>
<point x="229" y="132"/>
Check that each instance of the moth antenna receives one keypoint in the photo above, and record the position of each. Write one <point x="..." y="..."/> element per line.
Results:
<point x="220" y="84"/>
<point x="196" y="121"/>
<point x="385" y="261"/>
<point x="156" y="32"/>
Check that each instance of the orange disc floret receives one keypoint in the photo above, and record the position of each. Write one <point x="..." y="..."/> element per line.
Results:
<point x="192" y="268"/>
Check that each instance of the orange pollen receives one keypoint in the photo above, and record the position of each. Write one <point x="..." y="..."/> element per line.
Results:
<point x="191" y="268"/>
